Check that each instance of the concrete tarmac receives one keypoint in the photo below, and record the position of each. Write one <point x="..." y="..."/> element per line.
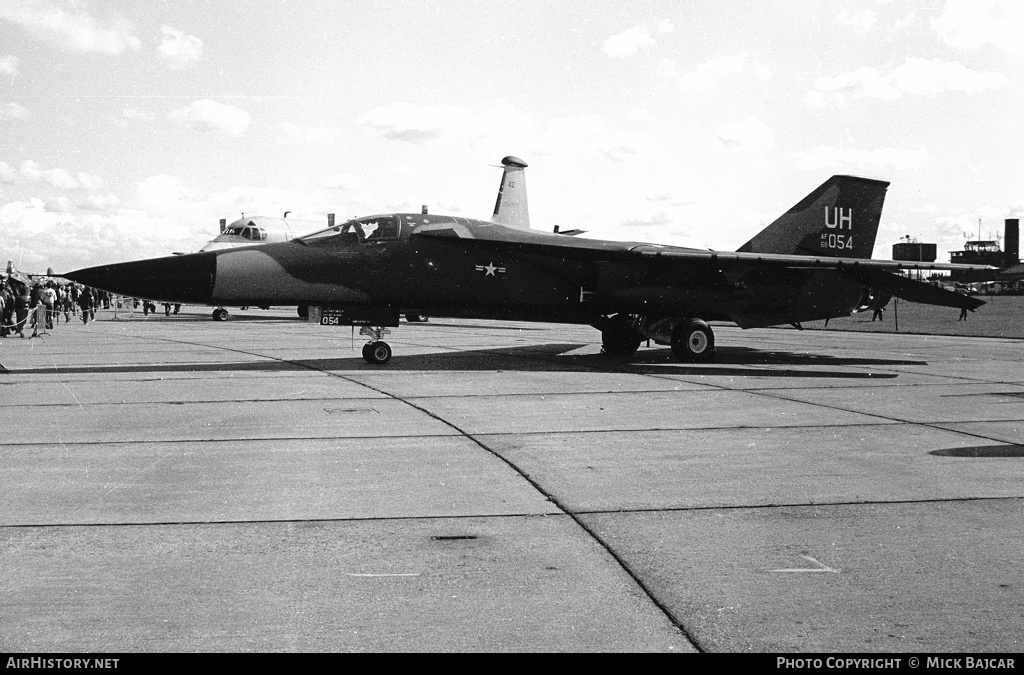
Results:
<point x="179" y="484"/>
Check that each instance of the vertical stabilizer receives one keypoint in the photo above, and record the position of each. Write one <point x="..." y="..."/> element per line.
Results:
<point x="839" y="219"/>
<point x="511" y="209"/>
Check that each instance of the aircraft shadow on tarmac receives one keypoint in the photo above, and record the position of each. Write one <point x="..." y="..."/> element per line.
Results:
<point x="552" y="357"/>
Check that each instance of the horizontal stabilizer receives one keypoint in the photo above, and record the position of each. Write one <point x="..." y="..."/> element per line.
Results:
<point x="913" y="291"/>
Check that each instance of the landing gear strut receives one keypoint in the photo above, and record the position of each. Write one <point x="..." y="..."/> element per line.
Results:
<point x="376" y="352"/>
<point x="618" y="337"/>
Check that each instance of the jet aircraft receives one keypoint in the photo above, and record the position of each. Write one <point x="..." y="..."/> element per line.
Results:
<point x="812" y="263"/>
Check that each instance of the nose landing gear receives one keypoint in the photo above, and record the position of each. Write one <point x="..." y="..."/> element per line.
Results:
<point x="376" y="352"/>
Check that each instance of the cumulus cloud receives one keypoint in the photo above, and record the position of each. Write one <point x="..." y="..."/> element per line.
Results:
<point x="629" y="42"/>
<point x="26" y="218"/>
<point x="88" y="181"/>
<point x="7" y="174"/>
<point x="14" y="111"/>
<point x="100" y="202"/>
<point x="710" y="73"/>
<point x="859" y="21"/>
<point x="9" y="65"/>
<point x="177" y="50"/>
<point x="914" y="76"/>
<point x="298" y="135"/>
<point x="827" y="157"/>
<point x="747" y="134"/>
<point x="58" y="177"/>
<point x="417" y="124"/>
<point x="71" y="29"/>
<point x="972" y="24"/>
<point x="212" y="115"/>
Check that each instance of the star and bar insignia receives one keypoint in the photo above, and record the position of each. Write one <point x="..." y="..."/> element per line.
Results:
<point x="490" y="269"/>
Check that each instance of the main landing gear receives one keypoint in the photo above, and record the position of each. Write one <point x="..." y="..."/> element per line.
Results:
<point x="691" y="339"/>
<point x="376" y="352"/>
<point x="220" y="314"/>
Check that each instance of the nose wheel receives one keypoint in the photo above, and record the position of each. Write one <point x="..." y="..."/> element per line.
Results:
<point x="377" y="353"/>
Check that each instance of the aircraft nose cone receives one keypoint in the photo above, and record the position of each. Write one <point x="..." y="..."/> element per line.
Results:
<point x="183" y="278"/>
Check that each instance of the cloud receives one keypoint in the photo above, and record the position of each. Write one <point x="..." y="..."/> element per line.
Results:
<point x="164" y="190"/>
<point x="972" y="24"/>
<point x="9" y="65"/>
<point x="827" y="157"/>
<point x="913" y="77"/>
<point x="88" y="181"/>
<point x="859" y="21"/>
<point x="100" y="202"/>
<point x="70" y="29"/>
<point x="59" y="177"/>
<point x="14" y="111"/>
<point x="299" y="135"/>
<point x="628" y="42"/>
<point x="707" y="75"/>
<point x="748" y="134"/>
<point x="418" y="124"/>
<point x="8" y="175"/>
<point x="177" y="50"/>
<point x="212" y="115"/>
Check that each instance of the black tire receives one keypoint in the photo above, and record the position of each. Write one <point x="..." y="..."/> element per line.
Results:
<point x="303" y="311"/>
<point x="693" y="341"/>
<point x="618" y="338"/>
<point x="415" y="318"/>
<point x="220" y="314"/>
<point x="377" y="353"/>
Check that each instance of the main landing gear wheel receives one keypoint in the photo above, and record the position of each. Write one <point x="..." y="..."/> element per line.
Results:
<point x="693" y="341"/>
<point x="377" y="353"/>
<point x="220" y="314"/>
<point x="618" y="338"/>
<point x="303" y="311"/>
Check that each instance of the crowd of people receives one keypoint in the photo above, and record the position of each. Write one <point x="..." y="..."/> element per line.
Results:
<point x="38" y="306"/>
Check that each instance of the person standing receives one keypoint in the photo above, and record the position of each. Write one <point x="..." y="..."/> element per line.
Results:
<point x="21" y="305"/>
<point x="7" y="316"/>
<point x="49" y="298"/>
<point x="85" y="303"/>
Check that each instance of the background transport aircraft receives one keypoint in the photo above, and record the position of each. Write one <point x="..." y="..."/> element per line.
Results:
<point x="250" y="230"/>
<point x="247" y="231"/>
<point x="812" y="263"/>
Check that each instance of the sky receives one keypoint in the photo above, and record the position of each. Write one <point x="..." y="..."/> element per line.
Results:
<point x="130" y="129"/>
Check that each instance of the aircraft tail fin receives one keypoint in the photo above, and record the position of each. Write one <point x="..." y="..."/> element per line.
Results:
<point x="839" y="219"/>
<point x="511" y="208"/>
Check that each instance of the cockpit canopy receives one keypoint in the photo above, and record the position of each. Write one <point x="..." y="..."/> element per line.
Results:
<point x="361" y="230"/>
<point x="248" y="231"/>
